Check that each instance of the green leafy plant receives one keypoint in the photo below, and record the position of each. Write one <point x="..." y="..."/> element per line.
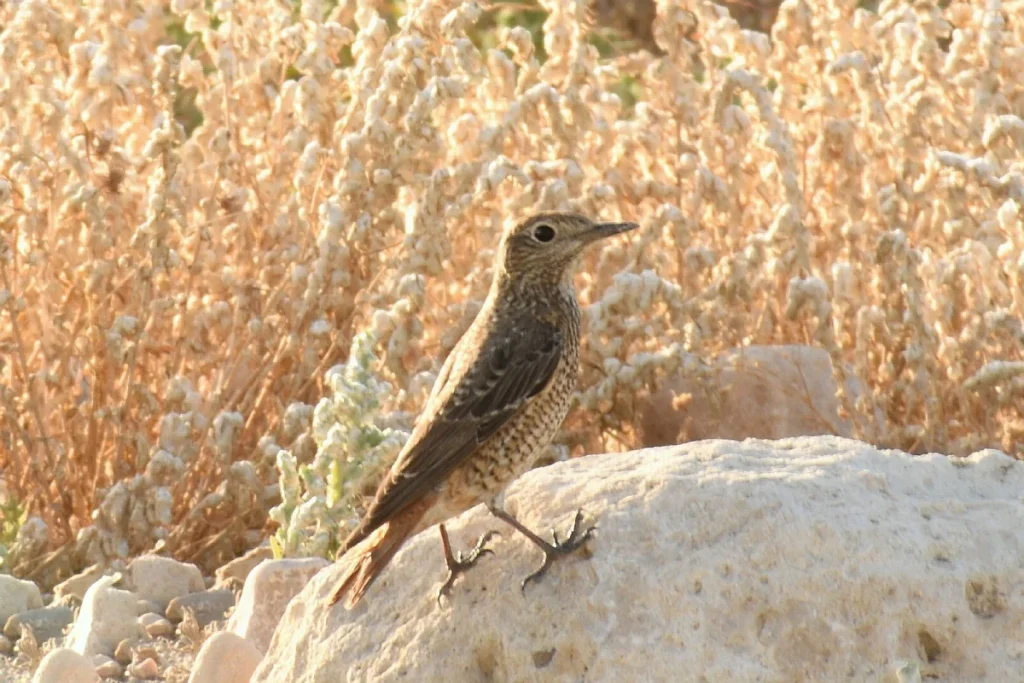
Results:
<point x="13" y="514"/>
<point x="320" y="500"/>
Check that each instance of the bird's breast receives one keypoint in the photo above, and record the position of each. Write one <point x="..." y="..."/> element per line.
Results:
<point x="517" y="445"/>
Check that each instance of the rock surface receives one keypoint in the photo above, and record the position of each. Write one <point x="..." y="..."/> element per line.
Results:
<point x="147" y="669"/>
<point x="107" y="667"/>
<point x="805" y="559"/>
<point x="161" y="579"/>
<point x="207" y="606"/>
<point x="225" y="658"/>
<point x="155" y="625"/>
<point x="760" y="392"/>
<point x="46" y="623"/>
<point x="124" y="652"/>
<point x="236" y="571"/>
<point x="65" y="666"/>
<point x="267" y="591"/>
<point x="107" y="617"/>
<point x="17" y="596"/>
<point x="76" y="586"/>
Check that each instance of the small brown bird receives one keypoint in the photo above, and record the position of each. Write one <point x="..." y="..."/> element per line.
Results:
<point x="497" y="402"/>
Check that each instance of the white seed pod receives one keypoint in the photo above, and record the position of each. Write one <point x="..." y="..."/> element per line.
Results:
<point x="101" y="73"/>
<point x="159" y="507"/>
<point x="175" y="430"/>
<point x="112" y="512"/>
<point x="843" y="280"/>
<point x="520" y="41"/>
<point x="1008" y="217"/>
<point x="1004" y="125"/>
<point x="126" y="325"/>
<point x="320" y="328"/>
<point x="626" y="375"/>
<point x="332" y="218"/>
<point x="163" y="467"/>
<point x="299" y="273"/>
<point x="267" y="447"/>
<point x="244" y="472"/>
<point x="32" y="536"/>
<point x="994" y="372"/>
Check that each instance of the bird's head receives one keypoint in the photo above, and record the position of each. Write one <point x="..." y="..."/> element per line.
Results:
<point x="546" y="246"/>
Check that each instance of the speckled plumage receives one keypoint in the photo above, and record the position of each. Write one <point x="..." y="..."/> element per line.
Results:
<point x="497" y="402"/>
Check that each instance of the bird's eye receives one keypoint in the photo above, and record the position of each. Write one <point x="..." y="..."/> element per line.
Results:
<point x="543" y="233"/>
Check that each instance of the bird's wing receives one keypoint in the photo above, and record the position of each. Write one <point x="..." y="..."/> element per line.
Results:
<point x="511" y="367"/>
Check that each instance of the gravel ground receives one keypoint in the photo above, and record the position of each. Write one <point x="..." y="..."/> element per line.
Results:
<point x="175" y="657"/>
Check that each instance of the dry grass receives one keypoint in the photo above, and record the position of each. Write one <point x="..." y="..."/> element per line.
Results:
<point x="855" y="181"/>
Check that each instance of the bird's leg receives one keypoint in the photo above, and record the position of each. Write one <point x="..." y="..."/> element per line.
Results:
<point x="578" y="536"/>
<point x="458" y="563"/>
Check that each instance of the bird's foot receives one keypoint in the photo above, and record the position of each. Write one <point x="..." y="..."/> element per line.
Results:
<point x="459" y="563"/>
<point x="578" y="536"/>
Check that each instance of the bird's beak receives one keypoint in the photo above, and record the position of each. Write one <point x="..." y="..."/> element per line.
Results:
<point x="602" y="230"/>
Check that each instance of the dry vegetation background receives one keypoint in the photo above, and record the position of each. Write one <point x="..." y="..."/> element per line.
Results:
<point x="203" y="204"/>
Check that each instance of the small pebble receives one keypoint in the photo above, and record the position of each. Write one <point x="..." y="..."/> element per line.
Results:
<point x="123" y="652"/>
<point x="145" y="652"/>
<point x="148" y="606"/>
<point x="107" y="667"/>
<point x="147" y="669"/>
<point x="155" y="625"/>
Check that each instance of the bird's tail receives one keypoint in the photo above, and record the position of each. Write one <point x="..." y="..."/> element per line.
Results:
<point x="367" y="559"/>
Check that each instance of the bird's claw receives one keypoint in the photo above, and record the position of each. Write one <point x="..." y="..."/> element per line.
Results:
<point x="573" y="542"/>
<point x="460" y="562"/>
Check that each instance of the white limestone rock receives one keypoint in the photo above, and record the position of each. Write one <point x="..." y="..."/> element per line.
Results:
<point x="155" y="625"/>
<point x="236" y="571"/>
<point x="266" y="593"/>
<point x="161" y="579"/>
<point x="65" y="666"/>
<point x="760" y="392"/>
<point x="107" y="617"/>
<point x="17" y="596"/>
<point x="46" y="623"/>
<point x="207" y="606"/>
<point x="225" y="658"/>
<point x="814" y="558"/>
<point x="75" y="587"/>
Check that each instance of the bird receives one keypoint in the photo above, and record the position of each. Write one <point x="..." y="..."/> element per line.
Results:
<point x="498" y="400"/>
